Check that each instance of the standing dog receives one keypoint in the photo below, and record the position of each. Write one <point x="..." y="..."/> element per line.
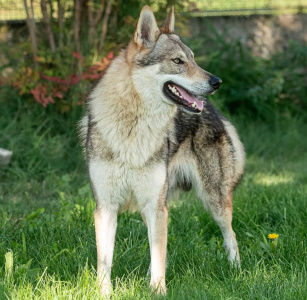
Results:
<point x="148" y="131"/>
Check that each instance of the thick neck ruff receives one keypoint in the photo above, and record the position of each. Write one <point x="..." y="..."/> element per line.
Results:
<point x="128" y="115"/>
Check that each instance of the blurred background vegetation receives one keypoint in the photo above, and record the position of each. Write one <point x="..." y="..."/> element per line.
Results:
<point x="53" y="50"/>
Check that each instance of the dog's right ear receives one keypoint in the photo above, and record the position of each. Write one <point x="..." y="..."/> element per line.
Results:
<point x="168" y="25"/>
<point x="147" y="30"/>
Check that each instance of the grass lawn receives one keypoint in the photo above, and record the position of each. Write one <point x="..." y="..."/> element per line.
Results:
<point x="46" y="222"/>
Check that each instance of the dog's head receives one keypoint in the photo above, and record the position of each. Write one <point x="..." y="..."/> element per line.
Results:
<point x="164" y="66"/>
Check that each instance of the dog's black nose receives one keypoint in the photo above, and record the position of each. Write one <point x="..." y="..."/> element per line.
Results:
<point x="215" y="82"/>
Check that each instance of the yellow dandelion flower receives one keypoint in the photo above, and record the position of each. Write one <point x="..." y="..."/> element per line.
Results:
<point x="273" y="236"/>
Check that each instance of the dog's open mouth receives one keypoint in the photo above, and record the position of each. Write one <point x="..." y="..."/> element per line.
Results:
<point x="182" y="97"/>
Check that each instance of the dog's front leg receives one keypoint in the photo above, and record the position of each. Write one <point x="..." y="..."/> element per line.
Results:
<point x="106" y="196"/>
<point x="105" y="227"/>
<point x="156" y="220"/>
<point x="151" y="196"/>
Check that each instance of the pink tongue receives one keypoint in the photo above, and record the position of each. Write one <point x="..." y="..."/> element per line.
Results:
<point x="190" y="98"/>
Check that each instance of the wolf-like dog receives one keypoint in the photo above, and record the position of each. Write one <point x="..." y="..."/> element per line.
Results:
<point x="147" y="132"/>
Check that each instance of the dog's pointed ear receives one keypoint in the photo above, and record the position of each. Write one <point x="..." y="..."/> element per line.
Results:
<point x="147" y="30"/>
<point x="168" y="25"/>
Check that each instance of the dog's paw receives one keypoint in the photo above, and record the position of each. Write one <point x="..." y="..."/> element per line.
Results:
<point x="234" y="258"/>
<point x="158" y="287"/>
<point x="105" y="290"/>
<point x="235" y="264"/>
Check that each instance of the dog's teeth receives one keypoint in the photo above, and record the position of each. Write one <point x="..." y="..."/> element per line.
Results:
<point x="174" y="91"/>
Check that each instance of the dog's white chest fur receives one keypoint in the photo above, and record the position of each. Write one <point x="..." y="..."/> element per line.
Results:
<point x="120" y="186"/>
<point x="133" y="141"/>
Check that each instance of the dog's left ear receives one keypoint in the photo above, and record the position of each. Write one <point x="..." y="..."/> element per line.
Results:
<point x="147" y="30"/>
<point x="168" y="25"/>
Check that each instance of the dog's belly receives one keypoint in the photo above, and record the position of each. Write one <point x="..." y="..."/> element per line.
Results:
<point x="121" y="187"/>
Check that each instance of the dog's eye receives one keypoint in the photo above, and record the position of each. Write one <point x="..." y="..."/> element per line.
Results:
<point x="178" y="61"/>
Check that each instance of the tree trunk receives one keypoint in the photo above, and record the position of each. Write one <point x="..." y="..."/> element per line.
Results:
<point x="32" y="29"/>
<point x="105" y="24"/>
<point x="94" y="19"/>
<point x="47" y="22"/>
<point x="90" y="11"/>
<point x="99" y="12"/>
<point x="60" y="22"/>
<point x="114" y="19"/>
<point x="78" y="5"/>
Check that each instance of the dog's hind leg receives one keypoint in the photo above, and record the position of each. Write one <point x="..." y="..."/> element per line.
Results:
<point x="223" y="218"/>
<point x="220" y="208"/>
<point x="216" y="178"/>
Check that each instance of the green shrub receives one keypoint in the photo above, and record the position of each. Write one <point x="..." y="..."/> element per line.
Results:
<point x="257" y="87"/>
<point x="252" y="86"/>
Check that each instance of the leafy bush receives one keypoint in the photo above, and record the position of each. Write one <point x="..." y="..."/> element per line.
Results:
<point x="62" y="79"/>
<point x="257" y="87"/>
<point x="252" y="86"/>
